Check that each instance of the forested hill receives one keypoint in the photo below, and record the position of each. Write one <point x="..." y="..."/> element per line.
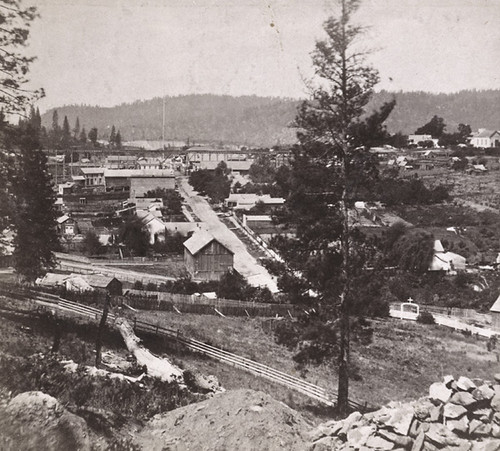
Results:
<point x="264" y="121"/>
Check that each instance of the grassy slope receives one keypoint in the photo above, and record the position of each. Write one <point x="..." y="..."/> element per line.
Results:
<point x="401" y="362"/>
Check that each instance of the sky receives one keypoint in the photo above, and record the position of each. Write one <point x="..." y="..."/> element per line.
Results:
<point x="107" y="52"/>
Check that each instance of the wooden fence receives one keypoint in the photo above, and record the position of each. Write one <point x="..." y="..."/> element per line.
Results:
<point x="157" y="300"/>
<point x="52" y="302"/>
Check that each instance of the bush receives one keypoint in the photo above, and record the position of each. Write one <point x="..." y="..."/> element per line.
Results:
<point x="425" y="318"/>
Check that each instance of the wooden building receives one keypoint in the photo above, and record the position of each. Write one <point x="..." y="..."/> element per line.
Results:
<point x="206" y="258"/>
<point x="103" y="282"/>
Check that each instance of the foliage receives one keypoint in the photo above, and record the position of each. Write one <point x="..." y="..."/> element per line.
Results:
<point x="425" y="318"/>
<point x="92" y="136"/>
<point x="35" y="215"/>
<point x="15" y="23"/>
<point x="134" y="235"/>
<point x="262" y="170"/>
<point x="214" y="184"/>
<point x="435" y="127"/>
<point x="413" y="252"/>
<point x="171" y="244"/>
<point x="172" y="200"/>
<point x="91" y="243"/>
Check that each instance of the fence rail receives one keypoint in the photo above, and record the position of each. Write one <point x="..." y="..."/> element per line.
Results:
<point x="50" y="301"/>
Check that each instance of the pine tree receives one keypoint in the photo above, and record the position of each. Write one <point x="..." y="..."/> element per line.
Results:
<point x="35" y="216"/>
<point x="65" y="134"/>
<point x="76" y="129"/>
<point x="83" y="136"/>
<point x="118" y="140"/>
<point x="112" y="136"/>
<point x="55" y="132"/>
<point x="93" y="136"/>
<point x="321" y="257"/>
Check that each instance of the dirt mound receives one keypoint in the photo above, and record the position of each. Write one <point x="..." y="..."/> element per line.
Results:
<point x="239" y="419"/>
<point x="36" y="421"/>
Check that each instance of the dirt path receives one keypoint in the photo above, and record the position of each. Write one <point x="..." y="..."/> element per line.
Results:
<point x="244" y="263"/>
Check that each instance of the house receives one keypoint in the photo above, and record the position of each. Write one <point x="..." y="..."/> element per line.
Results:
<point x="485" y="138"/>
<point x="495" y="314"/>
<point x="120" y="162"/>
<point x="208" y="158"/>
<point x="65" y="188"/>
<point x="66" y="225"/>
<point x="154" y="225"/>
<point x="72" y="282"/>
<point x="104" y="283"/>
<point x="93" y="176"/>
<point x="248" y="201"/>
<point x="138" y="181"/>
<point x="151" y="163"/>
<point x="206" y="258"/>
<point x="446" y="261"/>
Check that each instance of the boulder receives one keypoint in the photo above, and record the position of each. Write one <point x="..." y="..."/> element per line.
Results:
<point x="422" y="409"/>
<point x="329" y="429"/>
<point x="463" y="398"/>
<point x="377" y="442"/>
<point x="357" y="437"/>
<point x="400" y="419"/>
<point x="441" y="436"/>
<point x="487" y="445"/>
<point x="348" y="423"/>
<point x="448" y="379"/>
<point x="460" y="425"/>
<point x="497" y="377"/>
<point x="439" y="392"/>
<point x="483" y="393"/>
<point x="453" y="411"/>
<point x="465" y="384"/>
<point x="418" y="444"/>
<point x="398" y="440"/>
<point x="495" y="402"/>
<point x="479" y="429"/>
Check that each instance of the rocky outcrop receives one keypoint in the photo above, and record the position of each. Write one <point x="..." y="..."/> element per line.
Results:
<point x="461" y="415"/>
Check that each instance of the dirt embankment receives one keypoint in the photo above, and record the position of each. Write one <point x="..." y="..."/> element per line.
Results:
<point x="235" y="420"/>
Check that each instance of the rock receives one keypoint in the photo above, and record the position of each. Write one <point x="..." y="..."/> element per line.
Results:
<point x="348" y="423"/>
<point x="448" y="379"/>
<point x="496" y="417"/>
<point x="462" y="398"/>
<point x="422" y="409"/>
<point x="483" y="392"/>
<point x="439" y="392"/>
<point x="35" y="420"/>
<point x="357" y="437"/>
<point x="329" y="429"/>
<point x="441" y="436"/>
<point x="435" y="414"/>
<point x="400" y="419"/>
<point x="398" y="440"/>
<point x="453" y="411"/>
<point x="479" y="429"/>
<point x="484" y="414"/>
<point x="497" y="377"/>
<point x="495" y="402"/>
<point x="460" y="425"/>
<point x="496" y="388"/>
<point x="326" y="444"/>
<point x="418" y="444"/>
<point x="379" y="443"/>
<point x="414" y="428"/>
<point x="495" y="430"/>
<point x="487" y="445"/>
<point x="465" y="384"/>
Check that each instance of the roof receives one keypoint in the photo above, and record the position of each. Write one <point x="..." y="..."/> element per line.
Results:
<point x="484" y="134"/>
<point x="438" y="247"/>
<point x="199" y="240"/>
<point x="99" y="280"/>
<point x="92" y="170"/>
<point x="62" y="219"/>
<point x="77" y="177"/>
<point x="134" y="173"/>
<point x="496" y="306"/>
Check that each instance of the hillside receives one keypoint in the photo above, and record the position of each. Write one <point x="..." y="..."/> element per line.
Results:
<point x="264" y="121"/>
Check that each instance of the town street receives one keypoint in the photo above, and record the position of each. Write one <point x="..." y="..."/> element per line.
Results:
<point x="244" y="263"/>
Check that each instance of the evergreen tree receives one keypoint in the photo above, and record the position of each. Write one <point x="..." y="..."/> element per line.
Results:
<point x="55" y="132"/>
<point x="323" y="257"/>
<point x="76" y="129"/>
<point x="35" y="217"/>
<point x="92" y="136"/>
<point x="118" y="140"/>
<point x="65" y="134"/>
<point x="83" y="136"/>
<point x="112" y="136"/>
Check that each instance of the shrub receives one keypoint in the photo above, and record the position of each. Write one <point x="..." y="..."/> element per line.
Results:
<point x="425" y="318"/>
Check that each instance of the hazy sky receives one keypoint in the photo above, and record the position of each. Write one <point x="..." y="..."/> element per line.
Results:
<point x="105" y="52"/>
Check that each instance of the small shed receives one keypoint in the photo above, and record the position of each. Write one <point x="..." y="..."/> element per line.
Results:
<point x="206" y="258"/>
<point x="495" y="314"/>
<point x="105" y="283"/>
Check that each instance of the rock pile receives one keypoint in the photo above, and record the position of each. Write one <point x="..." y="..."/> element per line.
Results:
<point x="461" y="415"/>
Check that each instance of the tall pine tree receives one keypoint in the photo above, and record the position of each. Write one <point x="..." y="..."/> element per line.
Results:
<point x="322" y="257"/>
<point x="35" y="216"/>
<point x="65" y="134"/>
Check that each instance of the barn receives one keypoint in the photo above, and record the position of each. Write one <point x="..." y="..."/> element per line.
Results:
<point x="206" y="258"/>
<point x="102" y="282"/>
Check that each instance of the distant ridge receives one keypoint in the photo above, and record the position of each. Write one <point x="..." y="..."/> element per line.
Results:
<point x="264" y="121"/>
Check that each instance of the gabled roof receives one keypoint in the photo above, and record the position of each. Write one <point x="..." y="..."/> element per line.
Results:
<point x="484" y="134"/>
<point x="62" y="219"/>
<point x="496" y="306"/>
<point x="92" y="170"/>
<point x="199" y="240"/>
<point x="99" y="280"/>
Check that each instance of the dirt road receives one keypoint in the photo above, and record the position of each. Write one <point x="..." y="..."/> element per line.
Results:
<point x="244" y="263"/>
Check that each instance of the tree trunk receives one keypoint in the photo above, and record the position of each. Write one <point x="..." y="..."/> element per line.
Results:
<point x="156" y="367"/>
<point x="102" y="324"/>
<point x="343" y="359"/>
